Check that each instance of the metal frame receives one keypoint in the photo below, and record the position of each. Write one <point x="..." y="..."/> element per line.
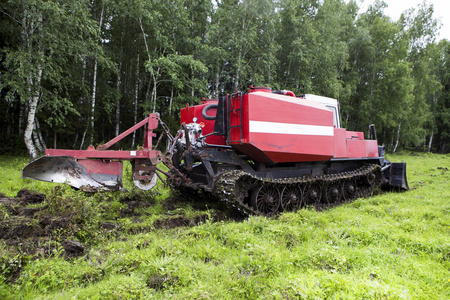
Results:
<point x="102" y="153"/>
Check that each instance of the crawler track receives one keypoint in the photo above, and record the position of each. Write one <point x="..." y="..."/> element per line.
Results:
<point x="272" y="196"/>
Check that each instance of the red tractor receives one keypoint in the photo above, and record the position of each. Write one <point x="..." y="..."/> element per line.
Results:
<point x="262" y="152"/>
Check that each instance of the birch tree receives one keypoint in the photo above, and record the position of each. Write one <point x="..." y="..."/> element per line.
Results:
<point x="41" y="55"/>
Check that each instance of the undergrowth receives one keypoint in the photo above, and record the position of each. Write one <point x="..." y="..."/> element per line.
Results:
<point x="388" y="246"/>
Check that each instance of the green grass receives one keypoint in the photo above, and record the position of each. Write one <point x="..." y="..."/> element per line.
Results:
<point x="11" y="181"/>
<point x="389" y="246"/>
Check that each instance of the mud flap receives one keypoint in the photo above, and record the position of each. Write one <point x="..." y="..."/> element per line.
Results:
<point x="89" y="175"/>
<point x="396" y="175"/>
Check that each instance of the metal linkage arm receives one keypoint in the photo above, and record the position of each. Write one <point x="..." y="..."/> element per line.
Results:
<point x="151" y="120"/>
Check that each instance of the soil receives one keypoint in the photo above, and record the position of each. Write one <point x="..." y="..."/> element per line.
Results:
<point x="29" y="230"/>
<point x="182" y="221"/>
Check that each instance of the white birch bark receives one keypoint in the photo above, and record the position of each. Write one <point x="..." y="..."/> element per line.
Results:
<point x="136" y="92"/>
<point x="33" y="101"/>
<point x="39" y="133"/>
<point x="83" y="139"/>
<point x="398" y="137"/>
<point x="94" y="88"/>
<point x="82" y="101"/>
<point x="33" y="82"/>
<point x="37" y="137"/>
<point x="117" y="129"/>
<point x="430" y="142"/>
<point x="37" y="143"/>
<point x="119" y="81"/>
<point x="152" y="73"/>
<point x="94" y="83"/>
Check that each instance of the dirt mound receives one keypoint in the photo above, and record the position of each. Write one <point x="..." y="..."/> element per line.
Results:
<point x="183" y="221"/>
<point x="31" y="220"/>
<point x="179" y="221"/>
<point x="27" y="225"/>
<point x="30" y="197"/>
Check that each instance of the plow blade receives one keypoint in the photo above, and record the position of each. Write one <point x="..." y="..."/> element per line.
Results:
<point x="89" y="175"/>
<point x="396" y="176"/>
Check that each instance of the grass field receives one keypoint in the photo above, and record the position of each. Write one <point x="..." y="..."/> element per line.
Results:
<point x="388" y="246"/>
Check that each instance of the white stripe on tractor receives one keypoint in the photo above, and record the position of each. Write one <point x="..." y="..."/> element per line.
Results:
<point x="287" y="128"/>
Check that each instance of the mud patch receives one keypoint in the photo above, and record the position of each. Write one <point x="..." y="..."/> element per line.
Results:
<point x="20" y="230"/>
<point x="202" y="201"/>
<point x="183" y="221"/>
<point x="72" y="248"/>
<point x="28" y="228"/>
<point x="30" y="197"/>
<point x="134" y="201"/>
<point x="175" y="222"/>
<point x="159" y="282"/>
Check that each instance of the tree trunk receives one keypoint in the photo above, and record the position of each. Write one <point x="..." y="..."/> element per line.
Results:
<point x="430" y="142"/>
<point x="36" y="141"/>
<point x="33" y="84"/>
<point x="117" y="129"/>
<point x="216" y="85"/>
<point x="136" y="93"/>
<point x="22" y="114"/>
<point x="155" y="91"/>
<point x="168" y="145"/>
<point x="238" y="71"/>
<point x="41" y="138"/>
<point x="119" y="77"/>
<point x="82" y="140"/>
<point x="170" y="102"/>
<point x="84" y="59"/>
<point x="33" y="101"/>
<point x="94" y="82"/>
<point x="152" y="73"/>
<point x="37" y="137"/>
<point x="147" y="93"/>
<point x="75" y="140"/>
<point x="398" y="137"/>
<point x="94" y="87"/>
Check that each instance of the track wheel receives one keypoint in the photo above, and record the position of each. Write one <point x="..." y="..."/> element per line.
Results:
<point x="266" y="199"/>
<point x="370" y="179"/>
<point x="291" y="198"/>
<point x="312" y="194"/>
<point x="349" y="189"/>
<point x="333" y="193"/>
<point x="145" y="184"/>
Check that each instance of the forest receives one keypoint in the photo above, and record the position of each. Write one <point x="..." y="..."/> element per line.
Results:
<point x="75" y="73"/>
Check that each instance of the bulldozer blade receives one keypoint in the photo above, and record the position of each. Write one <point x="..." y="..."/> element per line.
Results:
<point x="89" y="175"/>
<point x="396" y="175"/>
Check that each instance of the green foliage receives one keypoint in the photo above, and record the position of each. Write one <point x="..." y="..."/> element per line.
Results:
<point x="158" y="56"/>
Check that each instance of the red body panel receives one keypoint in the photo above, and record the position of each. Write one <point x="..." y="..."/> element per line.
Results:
<point x="340" y="142"/>
<point x="187" y="115"/>
<point x="371" y="148"/>
<point x="94" y="167"/>
<point x="276" y="128"/>
<point x="355" y="148"/>
<point x="279" y="128"/>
